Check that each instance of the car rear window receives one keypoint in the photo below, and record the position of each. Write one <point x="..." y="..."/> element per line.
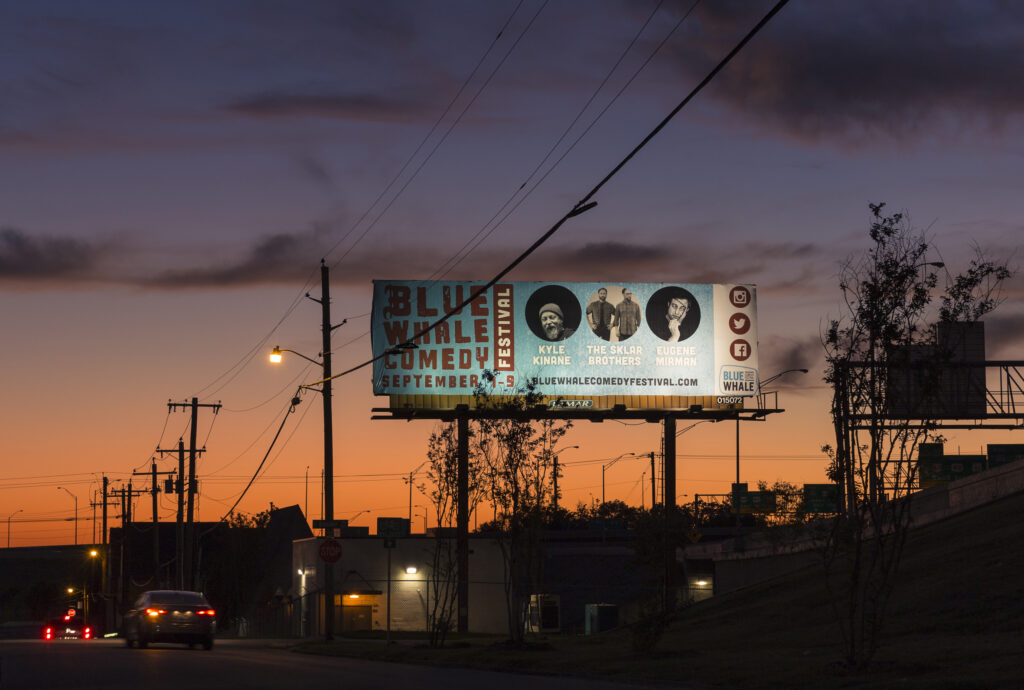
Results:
<point x="178" y="598"/>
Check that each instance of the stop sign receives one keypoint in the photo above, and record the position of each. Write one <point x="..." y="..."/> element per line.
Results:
<point x="330" y="550"/>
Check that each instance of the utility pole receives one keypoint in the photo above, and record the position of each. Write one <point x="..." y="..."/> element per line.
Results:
<point x="554" y="476"/>
<point x="127" y="494"/>
<point x="654" y="483"/>
<point x="190" y="534"/>
<point x="188" y="578"/>
<point x="154" y="490"/>
<point x="669" y="503"/>
<point x="121" y="584"/>
<point x="325" y="391"/>
<point x="411" y="475"/>
<point x="179" y="531"/>
<point x="108" y="609"/>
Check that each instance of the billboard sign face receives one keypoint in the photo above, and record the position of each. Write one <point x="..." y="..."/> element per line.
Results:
<point x="567" y="339"/>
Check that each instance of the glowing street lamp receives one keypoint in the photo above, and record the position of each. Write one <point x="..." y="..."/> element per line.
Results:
<point x="277" y="356"/>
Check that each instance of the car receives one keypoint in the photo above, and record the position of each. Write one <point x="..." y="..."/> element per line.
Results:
<point x="68" y="627"/>
<point x="166" y="615"/>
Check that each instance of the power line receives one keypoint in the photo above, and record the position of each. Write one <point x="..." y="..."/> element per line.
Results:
<point x="584" y="204"/>
<point x="477" y="242"/>
<point x="431" y="132"/>
<point x="233" y="371"/>
<point x="255" y="474"/>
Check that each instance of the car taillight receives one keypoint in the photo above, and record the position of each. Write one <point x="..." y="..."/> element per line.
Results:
<point x="88" y="633"/>
<point x="205" y="612"/>
<point x="155" y="612"/>
<point x="48" y="634"/>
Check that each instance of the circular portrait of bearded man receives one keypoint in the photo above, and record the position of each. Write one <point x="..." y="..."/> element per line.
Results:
<point x="553" y="313"/>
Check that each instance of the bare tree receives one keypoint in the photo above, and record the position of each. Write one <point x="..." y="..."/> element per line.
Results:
<point x="442" y="453"/>
<point x="517" y="464"/>
<point x="890" y="326"/>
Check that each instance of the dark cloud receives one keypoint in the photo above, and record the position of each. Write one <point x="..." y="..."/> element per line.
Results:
<point x="362" y="107"/>
<point x="857" y="71"/>
<point x="778" y="353"/>
<point x="670" y="262"/>
<point x="285" y="258"/>
<point x="282" y="257"/>
<point x="315" y="169"/>
<point x="613" y="251"/>
<point x="27" y="258"/>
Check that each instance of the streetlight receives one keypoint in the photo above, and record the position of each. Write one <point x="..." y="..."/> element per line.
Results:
<point x="768" y="380"/>
<point x="410" y="488"/>
<point x="93" y="553"/>
<point x="423" y="515"/>
<point x="325" y="395"/>
<point x="277" y="356"/>
<point x="556" y="472"/>
<point x="606" y="466"/>
<point x="76" y="511"/>
<point x="19" y="510"/>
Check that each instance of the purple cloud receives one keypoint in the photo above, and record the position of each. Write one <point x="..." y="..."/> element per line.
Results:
<point x="854" y="72"/>
<point x="24" y="257"/>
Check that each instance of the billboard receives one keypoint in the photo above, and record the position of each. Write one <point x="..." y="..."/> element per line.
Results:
<point x="577" y="341"/>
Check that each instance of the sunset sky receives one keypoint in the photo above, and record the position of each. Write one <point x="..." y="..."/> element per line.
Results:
<point x="171" y="175"/>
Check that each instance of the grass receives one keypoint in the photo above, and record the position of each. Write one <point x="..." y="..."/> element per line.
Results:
<point x="955" y="621"/>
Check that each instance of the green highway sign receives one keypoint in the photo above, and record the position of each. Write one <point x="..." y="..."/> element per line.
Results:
<point x="821" y="498"/>
<point x="947" y="468"/>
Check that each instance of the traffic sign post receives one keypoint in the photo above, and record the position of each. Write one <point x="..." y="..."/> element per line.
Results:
<point x="329" y="526"/>
<point x="389" y="547"/>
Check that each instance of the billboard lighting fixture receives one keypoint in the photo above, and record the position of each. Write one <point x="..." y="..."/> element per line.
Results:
<point x="402" y="346"/>
<point x="696" y="408"/>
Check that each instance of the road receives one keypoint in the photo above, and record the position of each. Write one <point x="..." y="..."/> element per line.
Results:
<point x="108" y="664"/>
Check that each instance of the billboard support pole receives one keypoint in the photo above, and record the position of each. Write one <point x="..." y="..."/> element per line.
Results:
<point x="462" y="521"/>
<point x="736" y="495"/>
<point x="669" y="505"/>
